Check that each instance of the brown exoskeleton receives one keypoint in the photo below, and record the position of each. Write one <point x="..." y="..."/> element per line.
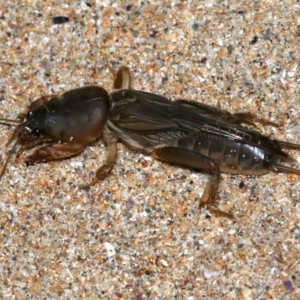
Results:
<point x="181" y="132"/>
<point x="197" y="136"/>
<point x="64" y="124"/>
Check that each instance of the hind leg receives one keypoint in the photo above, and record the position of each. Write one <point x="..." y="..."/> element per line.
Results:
<point x="192" y="159"/>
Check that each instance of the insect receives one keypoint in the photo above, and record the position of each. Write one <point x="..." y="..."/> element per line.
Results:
<point x="181" y="132"/>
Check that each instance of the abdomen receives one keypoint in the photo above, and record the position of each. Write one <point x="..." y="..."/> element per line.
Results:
<point x="232" y="156"/>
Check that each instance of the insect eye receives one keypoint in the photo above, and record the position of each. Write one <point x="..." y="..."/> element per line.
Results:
<point x="36" y="133"/>
<point x="29" y="114"/>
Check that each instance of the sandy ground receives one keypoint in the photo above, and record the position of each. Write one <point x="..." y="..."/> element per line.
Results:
<point x="139" y="234"/>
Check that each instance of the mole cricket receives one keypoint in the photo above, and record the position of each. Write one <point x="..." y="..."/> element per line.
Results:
<point x="181" y="132"/>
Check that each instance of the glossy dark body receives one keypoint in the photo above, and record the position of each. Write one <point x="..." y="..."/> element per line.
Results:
<point x="147" y="122"/>
<point x="60" y="126"/>
<point x="68" y="116"/>
<point x="181" y="132"/>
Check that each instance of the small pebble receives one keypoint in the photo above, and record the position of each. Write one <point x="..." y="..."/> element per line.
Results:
<point x="60" y="20"/>
<point x="246" y="292"/>
<point x="110" y="249"/>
